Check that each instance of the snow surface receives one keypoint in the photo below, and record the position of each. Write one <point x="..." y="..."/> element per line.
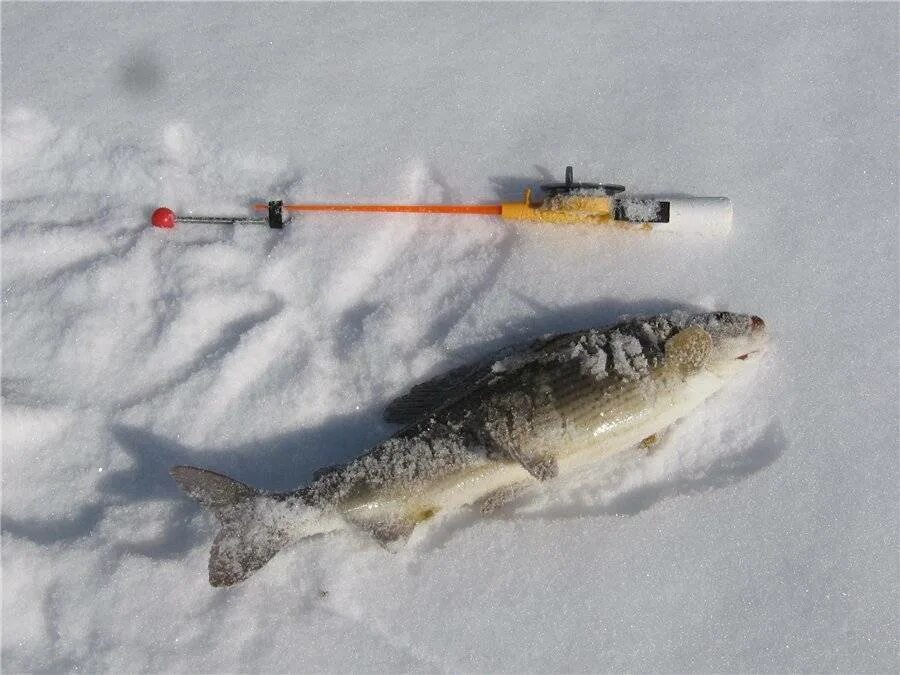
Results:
<point x="761" y="535"/>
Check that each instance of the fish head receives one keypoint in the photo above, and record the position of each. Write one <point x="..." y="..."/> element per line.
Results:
<point x="737" y="340"/>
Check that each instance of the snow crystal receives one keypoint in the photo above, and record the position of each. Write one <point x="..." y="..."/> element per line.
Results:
<point x="592" y="362"/>
<point x="627" y="354"/>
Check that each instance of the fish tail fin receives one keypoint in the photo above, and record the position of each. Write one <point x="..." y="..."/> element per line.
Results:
<point x="246" y="542"/>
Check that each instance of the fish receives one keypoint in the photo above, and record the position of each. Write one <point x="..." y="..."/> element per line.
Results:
<point x="475" y="437"/>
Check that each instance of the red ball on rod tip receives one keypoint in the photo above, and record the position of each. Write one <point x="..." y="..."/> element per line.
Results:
<point x="163" y="217"/>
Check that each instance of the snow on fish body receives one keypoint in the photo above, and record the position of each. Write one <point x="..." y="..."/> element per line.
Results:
<point x="478" y="434"/>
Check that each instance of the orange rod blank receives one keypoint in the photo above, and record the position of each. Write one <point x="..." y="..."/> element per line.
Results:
<point x="476" y="209"/>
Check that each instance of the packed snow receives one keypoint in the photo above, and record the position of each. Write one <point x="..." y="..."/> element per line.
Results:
<point x="761" y="534"/>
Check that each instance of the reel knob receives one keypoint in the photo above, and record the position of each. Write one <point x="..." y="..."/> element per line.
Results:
<point x="569" y="186"/>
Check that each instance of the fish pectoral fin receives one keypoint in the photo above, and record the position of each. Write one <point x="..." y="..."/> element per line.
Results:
<point x="495" y="499"/>
<point x="541" y="466"/>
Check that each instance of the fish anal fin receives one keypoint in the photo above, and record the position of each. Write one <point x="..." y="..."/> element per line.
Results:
<point x="393" y="529"/>
<point x="391" y="532"/>
<point x="424" y="512"/>
<point x="501" y="496"/>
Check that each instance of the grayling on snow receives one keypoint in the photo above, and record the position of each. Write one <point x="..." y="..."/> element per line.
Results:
<point x="479" y="434"/>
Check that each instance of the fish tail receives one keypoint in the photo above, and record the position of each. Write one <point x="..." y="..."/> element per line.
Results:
<point x="246" y="541"/>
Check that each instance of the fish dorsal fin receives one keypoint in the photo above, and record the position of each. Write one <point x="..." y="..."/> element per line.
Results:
<point x="688" y="349"/>
<point x="429" y="396"/>
<point x="432" y="394"/>
<point x="318" y="473"/>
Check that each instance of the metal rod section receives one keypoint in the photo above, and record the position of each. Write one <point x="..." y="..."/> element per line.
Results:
<point x="215" y="220"/>
<point x="472" y="209"/>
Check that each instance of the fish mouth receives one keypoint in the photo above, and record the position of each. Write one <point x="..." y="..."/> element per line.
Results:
<point x="758" y="330"/>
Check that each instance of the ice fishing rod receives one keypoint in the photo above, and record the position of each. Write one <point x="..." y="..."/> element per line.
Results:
<point x="568" y="202"/>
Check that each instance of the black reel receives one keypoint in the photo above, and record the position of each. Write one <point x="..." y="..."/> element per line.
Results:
<point x="553" y="189"/>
